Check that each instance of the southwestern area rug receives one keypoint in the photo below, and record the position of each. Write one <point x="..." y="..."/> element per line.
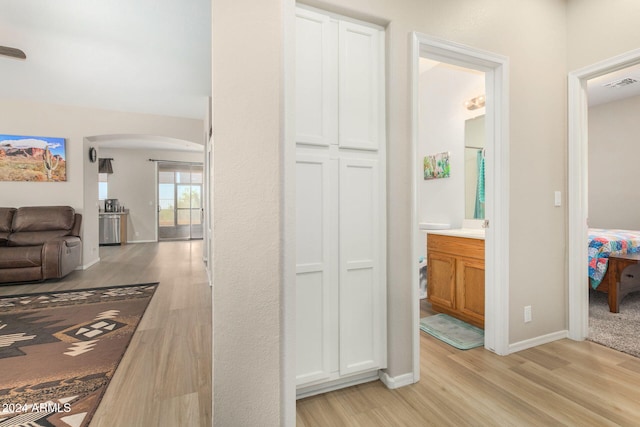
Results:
<point x="59" y="350"/>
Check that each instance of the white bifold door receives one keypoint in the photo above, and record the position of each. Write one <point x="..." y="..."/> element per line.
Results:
<point x="340" y="201"/>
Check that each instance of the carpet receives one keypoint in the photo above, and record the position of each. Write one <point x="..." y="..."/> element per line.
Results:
<point x="616" y="330"/>
<point x="453" y="331"/>
<point x="59" y="350"/>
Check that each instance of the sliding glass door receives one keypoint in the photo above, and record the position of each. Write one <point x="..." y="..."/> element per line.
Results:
<point x="180" y="210"/>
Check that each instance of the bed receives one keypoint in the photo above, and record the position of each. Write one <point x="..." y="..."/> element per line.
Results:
<point x="610" y="253"/>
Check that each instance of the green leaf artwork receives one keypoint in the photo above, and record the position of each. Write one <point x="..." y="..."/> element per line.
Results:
<point x="437" y="166"/>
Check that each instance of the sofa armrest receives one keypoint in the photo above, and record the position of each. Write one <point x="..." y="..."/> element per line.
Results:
<point x="60" y="256"/>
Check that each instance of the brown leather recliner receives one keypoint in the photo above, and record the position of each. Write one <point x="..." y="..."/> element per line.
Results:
<point x="38" y="243"/>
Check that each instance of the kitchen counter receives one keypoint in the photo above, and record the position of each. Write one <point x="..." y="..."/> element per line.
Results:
<point x="125" y="212"/>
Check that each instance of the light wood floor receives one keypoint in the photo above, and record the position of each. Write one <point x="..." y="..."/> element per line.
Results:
<point x="164" y="378"/>
<point x="563" y="383"/>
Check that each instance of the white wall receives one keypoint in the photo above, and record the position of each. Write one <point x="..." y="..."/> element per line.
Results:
<point x="443" y="91"/>
<point x="133" y="183"/>
<point x="75" y="124"/>
<point x="613" y="164"/>
<point x="248" y="195"/>
<point x="247" y="275"/>
<point x="598" y="30"/>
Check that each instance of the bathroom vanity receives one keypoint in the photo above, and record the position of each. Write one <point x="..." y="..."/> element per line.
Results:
<point x="455" y="270"/>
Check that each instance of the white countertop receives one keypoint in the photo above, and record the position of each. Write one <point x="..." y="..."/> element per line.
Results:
<point x="470" y="233"/>
<point x="125" y="212"/>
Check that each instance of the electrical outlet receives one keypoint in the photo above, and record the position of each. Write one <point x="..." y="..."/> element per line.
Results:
<point x="527" y="314"/>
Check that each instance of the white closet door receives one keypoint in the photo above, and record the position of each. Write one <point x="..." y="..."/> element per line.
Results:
<point x="361" y="89"/>
<point x="362" y="298"/>
<point x="316" y="79"/>
<point x="314" y="340"/>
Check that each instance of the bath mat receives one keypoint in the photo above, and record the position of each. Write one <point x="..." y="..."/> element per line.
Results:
<point x="453" y="331"/>
<point x="59" y="350"/>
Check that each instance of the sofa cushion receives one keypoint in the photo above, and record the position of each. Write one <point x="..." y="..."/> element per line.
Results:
<point x="43" y="218"/>
<point x="33" y="238"/>
<point x="21" y="257"/>
<point x="6" y="218"/>
<point x="4" y="238"/>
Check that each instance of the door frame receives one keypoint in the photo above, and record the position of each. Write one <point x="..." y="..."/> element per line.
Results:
<point x="578" y="186"/>
<point x="497" y="206"/>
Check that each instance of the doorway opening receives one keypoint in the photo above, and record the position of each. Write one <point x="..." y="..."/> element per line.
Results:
<point x="180" y="208"/>
<point x="578" y="188"/>
<point x="496" y="204"/>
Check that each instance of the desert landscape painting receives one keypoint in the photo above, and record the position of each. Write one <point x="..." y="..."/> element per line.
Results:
<point x="32" y="158"/>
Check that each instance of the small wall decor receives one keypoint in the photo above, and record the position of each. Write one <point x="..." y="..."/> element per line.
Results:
<point x="437" y="166"/>
<point x="32" y="158"/>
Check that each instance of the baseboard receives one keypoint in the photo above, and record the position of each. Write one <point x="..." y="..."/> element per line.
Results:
<point x="90" y="264"/>
<point x="534" y="342"/>
<point x="337" y="384"/>
<point x="396" y="382"/>
<point x="141" y="241"/>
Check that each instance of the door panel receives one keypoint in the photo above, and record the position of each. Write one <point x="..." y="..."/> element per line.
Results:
<point x="315" y="78"/>
<point x="313" y="239"/>
<point x="360" y="90"/>
<point x="470" y="298"/>
<point x="441" y="282"/>
<point x="179" y="201"/>
<point x="360" y="287"/>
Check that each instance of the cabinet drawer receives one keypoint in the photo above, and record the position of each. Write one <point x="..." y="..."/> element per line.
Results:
<point x="459" y="246"/>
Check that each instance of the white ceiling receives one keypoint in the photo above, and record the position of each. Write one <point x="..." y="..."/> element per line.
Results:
<point x="599" y="94"/>
<point x="148" y="56"/>
<point x="145" y="142"/>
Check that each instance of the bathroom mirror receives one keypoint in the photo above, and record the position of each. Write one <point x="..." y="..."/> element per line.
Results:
<point x="474" y="143"/>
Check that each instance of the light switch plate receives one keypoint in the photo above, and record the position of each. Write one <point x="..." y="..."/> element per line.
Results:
<point x="557" y="198"/>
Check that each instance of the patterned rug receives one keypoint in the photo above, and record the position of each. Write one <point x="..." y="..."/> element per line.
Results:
<point x="59" y="350"/>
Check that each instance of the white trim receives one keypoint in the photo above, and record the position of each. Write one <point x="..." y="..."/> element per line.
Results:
<point x="287" y="220"/>
<point x="578" y="166"/>
<point x="157" y="203"/>
<point x="338" y="384"/>
<point x="497" y="209"/>
<point x="90" y="264"/>
<point x="141" y="241"/>
<point x="396" y="382"/>
<point x="534" y="342"/>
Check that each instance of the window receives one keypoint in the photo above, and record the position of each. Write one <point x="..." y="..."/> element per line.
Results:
<point x="102" y="186"/>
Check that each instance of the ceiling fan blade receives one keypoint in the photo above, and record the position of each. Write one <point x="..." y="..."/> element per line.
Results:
<point x="12" y="52"/>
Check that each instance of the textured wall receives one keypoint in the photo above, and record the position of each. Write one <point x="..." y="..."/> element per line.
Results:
<point x="247" y="140"/>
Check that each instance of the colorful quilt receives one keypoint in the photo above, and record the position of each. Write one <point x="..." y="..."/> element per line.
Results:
<point x="603" y="243"/>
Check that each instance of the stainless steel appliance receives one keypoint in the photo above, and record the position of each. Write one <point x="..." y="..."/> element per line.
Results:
<point x="109" y="229"/>
<point x="111" y="205"/>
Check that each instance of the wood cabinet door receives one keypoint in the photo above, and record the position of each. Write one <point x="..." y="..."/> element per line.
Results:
<point x="470" y="288"/>
<point x="441" y="281"/>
